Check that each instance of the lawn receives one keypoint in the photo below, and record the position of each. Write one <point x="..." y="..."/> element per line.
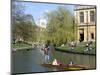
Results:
<point x="20" y="45"/>
<point x="79" y="48"/>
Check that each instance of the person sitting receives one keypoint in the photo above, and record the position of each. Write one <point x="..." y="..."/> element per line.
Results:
<point x="71" y="63"/>
<point x="72" y="44"/>
<point x="88" y="46"/>
<point x="56" y="62"/>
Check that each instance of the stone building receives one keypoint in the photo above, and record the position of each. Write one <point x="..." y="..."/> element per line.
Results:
<point x="42" y="22"/>
<point x="86" y="19"/>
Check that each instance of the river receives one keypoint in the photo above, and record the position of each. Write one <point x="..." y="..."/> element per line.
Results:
<point x="24" y="61"/>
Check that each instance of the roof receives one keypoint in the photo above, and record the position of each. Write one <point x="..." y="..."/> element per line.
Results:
<point x="84" y="7"/>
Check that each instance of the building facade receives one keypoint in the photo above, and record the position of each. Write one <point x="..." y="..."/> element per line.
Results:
<point x="85" y="17"/>
<point x="42" y="22"/>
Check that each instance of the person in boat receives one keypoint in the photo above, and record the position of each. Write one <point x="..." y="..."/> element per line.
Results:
<point x="56" y="62"/>
<point x="71" y="63"/>
<point x="46" y="53"/>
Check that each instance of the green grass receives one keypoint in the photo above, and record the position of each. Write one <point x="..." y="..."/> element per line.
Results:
<point x="78" y="49"/>
<point x="20" y="45"/>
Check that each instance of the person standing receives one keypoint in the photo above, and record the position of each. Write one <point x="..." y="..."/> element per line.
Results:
<point x="46" y="54"/>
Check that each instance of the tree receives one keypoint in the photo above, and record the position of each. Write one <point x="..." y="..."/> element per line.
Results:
<point x="17" y="13"/>
<point x="25" y="29"/>
<point x="23" y="25"/>
<point x="60" y="26"/>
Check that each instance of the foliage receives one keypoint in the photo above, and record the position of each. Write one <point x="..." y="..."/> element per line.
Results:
<point x="23" y="25"/>
<point x="61" y="26"/>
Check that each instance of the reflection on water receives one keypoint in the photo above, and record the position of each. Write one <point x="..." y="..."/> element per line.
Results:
<point x="87" y="60"/>
<point x="30" y="61"/>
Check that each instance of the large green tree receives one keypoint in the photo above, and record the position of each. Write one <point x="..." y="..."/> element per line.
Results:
<point x="61" y="26"/>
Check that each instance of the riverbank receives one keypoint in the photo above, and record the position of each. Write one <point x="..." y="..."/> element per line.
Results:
<point x="79" y="49"/>
<point x="74" y="52"/>
<point x="21" y="46"/>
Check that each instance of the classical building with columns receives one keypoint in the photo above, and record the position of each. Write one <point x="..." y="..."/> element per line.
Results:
<point x="85" y="16"/>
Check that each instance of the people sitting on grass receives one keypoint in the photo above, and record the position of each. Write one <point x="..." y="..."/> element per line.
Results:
<point x="72" y="44"/>
<point x="88" y="46"/>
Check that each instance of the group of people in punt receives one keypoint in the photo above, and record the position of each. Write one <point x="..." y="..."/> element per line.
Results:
<point x="47" y="57"/>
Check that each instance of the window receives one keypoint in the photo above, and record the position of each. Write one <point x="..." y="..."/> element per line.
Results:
<point x="92" y="16"/>
<point x="81" y="17"/>
<point x="92" y="35"/>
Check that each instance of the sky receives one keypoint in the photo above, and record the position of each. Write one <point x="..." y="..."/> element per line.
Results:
<point x="37" y="9"/>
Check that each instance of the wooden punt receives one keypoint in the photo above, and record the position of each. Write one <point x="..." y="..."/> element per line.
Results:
<point x="66" y="66"/>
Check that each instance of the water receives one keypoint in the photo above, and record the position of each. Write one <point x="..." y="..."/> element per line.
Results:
<point x="27" y="61"/>
<point x="24" y="61"/>
<point x="87" y="60"/>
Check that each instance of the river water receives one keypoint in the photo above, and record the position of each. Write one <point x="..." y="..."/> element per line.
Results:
<point x="24" y="61"/>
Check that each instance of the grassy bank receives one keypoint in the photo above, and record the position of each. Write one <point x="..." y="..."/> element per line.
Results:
<point x="80" y="49"/>
<point x="20" y="45"/>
